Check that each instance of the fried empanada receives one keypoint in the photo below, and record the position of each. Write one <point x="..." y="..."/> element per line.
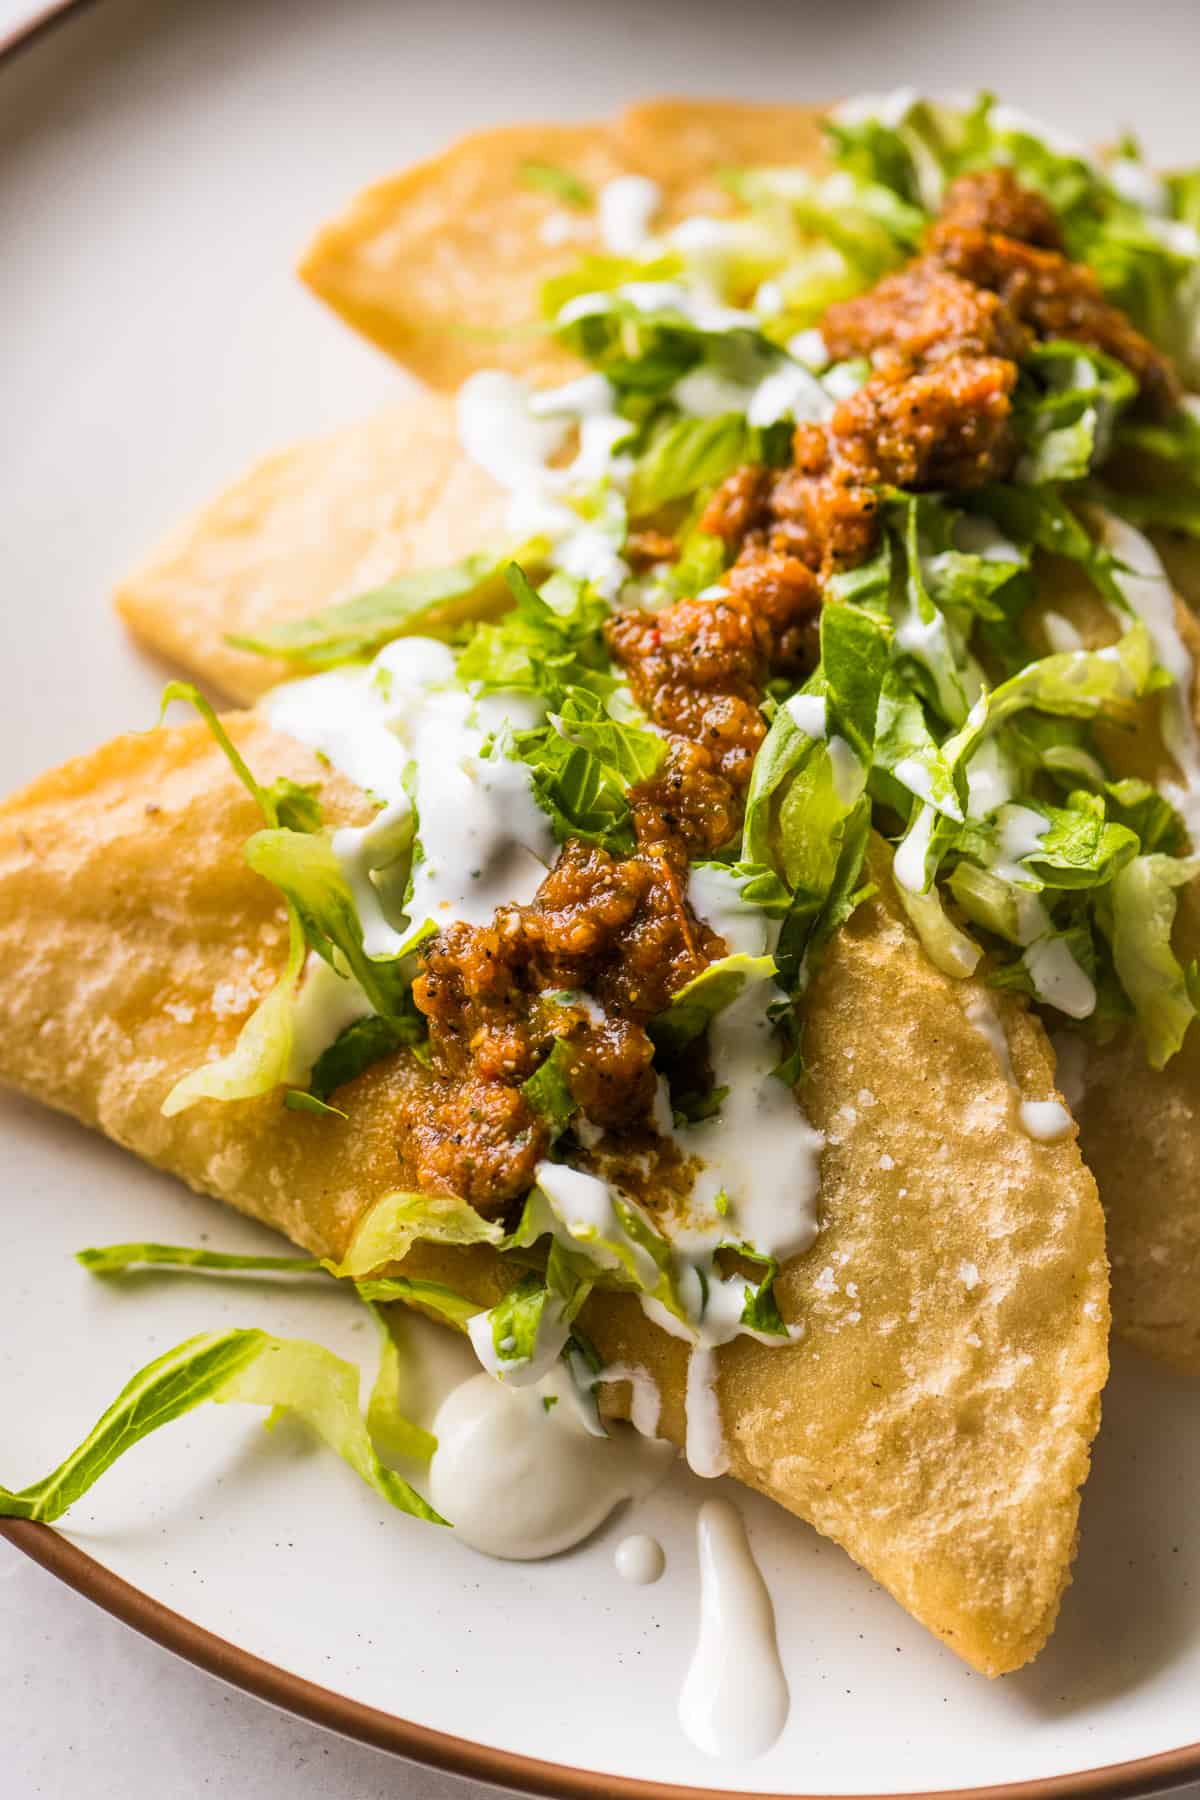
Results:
<point x="936" y="1413"/>
<point x="326" y="519"/>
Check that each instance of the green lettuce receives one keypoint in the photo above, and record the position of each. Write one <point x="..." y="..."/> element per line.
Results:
<point x="1066" y="411"/>
<point x="428" y="602"/>
<point x="529" y="1327"/>
<point x="548" y="1089"/>
<point x="693" y="1007"/>
<point x="1081" y="848"/>
<point x="260" y="1058"/>
<point x="562" y="184"/>
<point x="550" y="641"/>
<point x="390" y="1430"/>
<point x="303" y="866"/>
<point x="583" y="762"/>
<point x="603" y="275"/>
<point x="687" y="455"/>
<point x="623" y="1247"/>
<point x="362" y="1043"/>
<point x="114" y="1259"/>
<point x="1158" y="480"/>
<point x="285" y="1374"/>
<point x="453" y="1308"/>
<point x="760" y="1311"/>
<point x="392" y="1225"/>
<point x="1163" y="992"/>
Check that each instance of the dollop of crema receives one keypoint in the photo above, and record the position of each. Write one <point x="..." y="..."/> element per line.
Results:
<point x="639" y="1559"/>
<point x="1046" y="1121"/>
<point x="520" y="1473"/>
<point x="735" y="1700"/>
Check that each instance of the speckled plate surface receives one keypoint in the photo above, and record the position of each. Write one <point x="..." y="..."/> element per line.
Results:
<point x="159" y="168"/>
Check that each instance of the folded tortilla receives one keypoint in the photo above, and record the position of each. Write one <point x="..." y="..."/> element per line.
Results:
<point x="936" y="1414"/>
<point x="442" y="265"/>
<point x="234" y="568"/>
<point x="416" y="260"/>
<point x="305" y="528"/>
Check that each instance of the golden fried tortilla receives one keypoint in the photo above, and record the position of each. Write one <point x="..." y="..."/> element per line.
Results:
<point x="935" y="1417"/>
<point x="442" y="265"/>
<point x="329" y="518"/>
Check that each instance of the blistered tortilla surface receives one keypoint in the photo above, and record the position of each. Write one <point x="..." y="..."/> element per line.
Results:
<point x="936" y="1413"/>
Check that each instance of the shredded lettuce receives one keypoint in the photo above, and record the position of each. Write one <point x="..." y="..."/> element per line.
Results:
<point x="303" y="866"/>
<point x="760" y="1310"/>
<point x="548" y="1089"/>
<point x="392" y="1225"/>
<point x="361" y="1044"/>
<point x="602" y="275"/>
<point x="392" y="1433"/>
<point x="1080" y="848"/>
<point x="453" y="1308"/>
<point x="615" y="1243"/>
<point x="1165" y="995"/>
<point x="583" y="762"/>
<point x="693" y="1007"/>
<point x="550" y="641"/>
<point x="428" y="602"/>
<point x="526" y="1332"/>
<point x="285" y="1374"/>
<point x="1067" y="408"/>
<point x="562" y="184"/>
<point x="113" y="1259"/>
<point x="689" y="454"/>
<point x="1157" y="480"/>
<point x="261" y="1057"/>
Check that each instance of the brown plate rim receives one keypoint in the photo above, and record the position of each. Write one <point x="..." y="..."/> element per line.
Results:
<point x="420" y="1743"/>
<point x="462" y="1756"/>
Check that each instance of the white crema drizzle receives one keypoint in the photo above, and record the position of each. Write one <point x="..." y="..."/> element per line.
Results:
<point x="520" y="1474"/>
<point x="1046" y="1121"/>
<point x="484" y="841"/>
<point x="735" y="1700"/>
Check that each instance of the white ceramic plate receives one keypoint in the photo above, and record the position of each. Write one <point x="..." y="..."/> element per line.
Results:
<point x="159" y="168"/>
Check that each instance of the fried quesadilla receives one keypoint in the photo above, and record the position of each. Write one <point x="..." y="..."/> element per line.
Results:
<point x="699" y="783"/>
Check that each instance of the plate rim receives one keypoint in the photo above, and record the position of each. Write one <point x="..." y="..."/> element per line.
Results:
<point x="292" y="1693"/>
<point x="354" y="1719"/>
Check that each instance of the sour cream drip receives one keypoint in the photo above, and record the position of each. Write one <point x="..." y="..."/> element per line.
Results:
<point x="484" y="840"/>
<point x="761" y="1154"/>
<point x="627" y="207"/>
<point x="514" y="434"/>
<point x="735" y="1700"/>
<point x="1046" y="1121"/>
<point x="521" y="1479"/>
<point x="1058" y="979"/>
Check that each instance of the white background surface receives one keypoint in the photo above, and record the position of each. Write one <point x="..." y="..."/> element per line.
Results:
<point x="86" y="1707"/>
